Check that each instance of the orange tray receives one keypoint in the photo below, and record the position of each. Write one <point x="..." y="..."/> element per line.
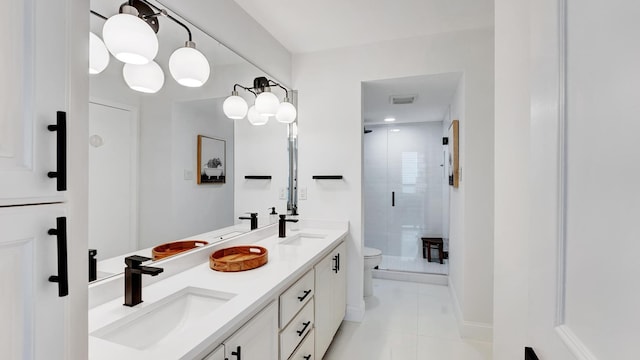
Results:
<point x="176" y="247"/>
<point x="238" y="258"/>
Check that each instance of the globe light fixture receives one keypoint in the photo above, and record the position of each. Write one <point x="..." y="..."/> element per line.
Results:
<point x="129" y="38"/>
<point x="267" y="103"/>
<point x="255" y="118"/>
<point x="265" y="106"/>
<point x="188" y="66"/>
<point x="98" y="54"/>
<point x="235" y="107"/>
<point x="286" y="112"/>
<point x="147" y="78"/>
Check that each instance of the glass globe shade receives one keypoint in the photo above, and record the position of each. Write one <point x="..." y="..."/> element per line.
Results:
<point x="189" y="67"/>
<point x="147" y="78"/>
<point x="255" y="118"/>
<point x="267" y="103"/>
<point x="98" y="54"/>
<point x="130" y="39"/>
<point x="235" y="107"/>
<point x="286" y="113"/>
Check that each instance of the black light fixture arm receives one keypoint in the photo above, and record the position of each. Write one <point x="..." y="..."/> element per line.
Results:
<point x="165" y="13"/>
<point x="98" y="15"/>
<point x="245" y="88"/>
<point x="273" y="83"/>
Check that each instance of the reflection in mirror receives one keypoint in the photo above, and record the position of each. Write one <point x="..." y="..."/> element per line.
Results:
<point x="143" y="169"/>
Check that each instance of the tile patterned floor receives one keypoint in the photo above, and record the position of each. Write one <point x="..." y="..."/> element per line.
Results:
<point x="408" y="321"/>
<point x="413" y="264"/>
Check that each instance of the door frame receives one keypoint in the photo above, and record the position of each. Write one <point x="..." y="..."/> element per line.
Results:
<point x="135" y="159"/>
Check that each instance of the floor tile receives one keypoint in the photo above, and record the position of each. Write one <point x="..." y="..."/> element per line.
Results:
<point x="408" y="321"/>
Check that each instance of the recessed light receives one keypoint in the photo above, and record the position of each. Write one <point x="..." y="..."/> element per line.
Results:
<point x="395" y="130"/>
<point x="389" y="119"/>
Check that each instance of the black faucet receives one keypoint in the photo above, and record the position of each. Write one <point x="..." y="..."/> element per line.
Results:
<point x="253" y="218"/>
<point x="133" y="278"/>
<point x="282" y="225"/>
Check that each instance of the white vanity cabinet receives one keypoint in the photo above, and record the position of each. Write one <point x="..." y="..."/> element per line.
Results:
<point x="330" y="297"/>
<point x="256" y="339"/>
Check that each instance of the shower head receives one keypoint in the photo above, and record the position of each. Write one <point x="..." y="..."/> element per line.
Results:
<point x="367" y="131"/>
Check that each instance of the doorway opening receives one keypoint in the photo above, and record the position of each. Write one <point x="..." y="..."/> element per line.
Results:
<point x="406" y="170"/>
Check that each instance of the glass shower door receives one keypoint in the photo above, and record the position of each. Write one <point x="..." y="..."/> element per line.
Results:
<point x="404" y="203"/>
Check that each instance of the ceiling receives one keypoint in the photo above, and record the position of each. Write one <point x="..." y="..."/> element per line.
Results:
<point x="306" y="26"/>
<point x="434" y="94"/>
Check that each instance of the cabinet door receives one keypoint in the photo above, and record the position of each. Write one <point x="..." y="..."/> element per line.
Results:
<point x="339" y="288"/>
<point x="32" y="313"/>
<point x="33" y="87"/>
<point x="323" y="298"/>
<point x="257" y="339"/>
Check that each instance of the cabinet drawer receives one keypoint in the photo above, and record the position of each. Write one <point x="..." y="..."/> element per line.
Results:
<point x="306" y="349"/>
<point x="292" y="300"/>
<point x="293" y="334"/>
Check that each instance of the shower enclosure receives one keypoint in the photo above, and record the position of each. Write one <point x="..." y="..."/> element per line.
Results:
<point x="404" y="183"/>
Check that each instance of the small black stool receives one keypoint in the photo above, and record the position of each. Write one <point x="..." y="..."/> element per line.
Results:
<point x="429" y="243"/>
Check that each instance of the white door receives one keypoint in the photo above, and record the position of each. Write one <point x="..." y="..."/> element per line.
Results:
<point x="33" y="69"/>
<point x="257" y="339"/>
<point x="584" y="293"/>
<point x="323" y="302"/>
<point x="31" y="310"/>
<point x="339" y="287"/>
<point x="112" y="180"/>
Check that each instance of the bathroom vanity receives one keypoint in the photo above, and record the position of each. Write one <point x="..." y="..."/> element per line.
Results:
<point x="289" y="308"/>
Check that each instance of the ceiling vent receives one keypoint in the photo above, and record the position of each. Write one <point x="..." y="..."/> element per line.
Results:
<point x="402" y="99"/>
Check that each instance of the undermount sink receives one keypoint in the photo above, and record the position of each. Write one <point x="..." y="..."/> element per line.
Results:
<point x="298" y="239"/>
<point x="172" y="315"/>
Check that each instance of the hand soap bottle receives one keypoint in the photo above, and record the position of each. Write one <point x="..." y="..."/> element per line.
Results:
<point x="273" y="215"/>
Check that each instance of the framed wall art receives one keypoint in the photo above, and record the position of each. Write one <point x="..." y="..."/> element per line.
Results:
<point x="211" y="160"/>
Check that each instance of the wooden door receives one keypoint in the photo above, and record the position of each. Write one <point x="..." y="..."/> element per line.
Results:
<point x="323" y="298"/>
<point x="583" y="272"/>
<point x="32" y="313"/>
<point x="33" y="69"/>
<point x="257" y="339"/>
<point x="339" y="288"/>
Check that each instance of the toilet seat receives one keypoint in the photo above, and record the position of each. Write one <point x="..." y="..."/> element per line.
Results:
<point x="371" y="252"/>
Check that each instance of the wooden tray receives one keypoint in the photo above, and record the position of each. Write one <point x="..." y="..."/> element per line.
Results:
<point x="176" y="247"/>
<point x="238" y="258"/>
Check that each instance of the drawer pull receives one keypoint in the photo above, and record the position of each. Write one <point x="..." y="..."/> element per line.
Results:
<point x="307" y="357"/>
<point x="306" y="293"/>
<point x="237" y="353"/>
<point x="306" y="325"/>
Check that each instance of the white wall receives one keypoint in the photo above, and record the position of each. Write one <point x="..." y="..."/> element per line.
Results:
<point x="511" y="177"/>
<point x="261" y="150"/>
<point x="456" y="204"/>
<point x="330" y="132"/>
<point x="200" y="208"/>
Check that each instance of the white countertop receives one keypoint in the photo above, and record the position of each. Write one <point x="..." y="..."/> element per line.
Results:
<point x="254" y="288"/>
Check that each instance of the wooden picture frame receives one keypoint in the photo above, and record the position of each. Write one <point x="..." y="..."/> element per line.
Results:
<point x="211" y="160"/>
<point x="454" y="160"/>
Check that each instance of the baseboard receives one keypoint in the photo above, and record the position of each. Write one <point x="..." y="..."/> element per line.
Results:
<point x="435" y="279"/>
<point x="469" y="329"/>
<point x="355" y="313"/>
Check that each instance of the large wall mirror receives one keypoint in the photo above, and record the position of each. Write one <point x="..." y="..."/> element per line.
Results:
<point x="144" y="187"/>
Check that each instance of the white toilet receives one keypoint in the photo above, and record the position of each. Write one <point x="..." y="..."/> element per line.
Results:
<point x="372" y="258"/>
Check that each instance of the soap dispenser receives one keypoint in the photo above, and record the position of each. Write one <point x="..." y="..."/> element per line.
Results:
<point x="273" y="215"/>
